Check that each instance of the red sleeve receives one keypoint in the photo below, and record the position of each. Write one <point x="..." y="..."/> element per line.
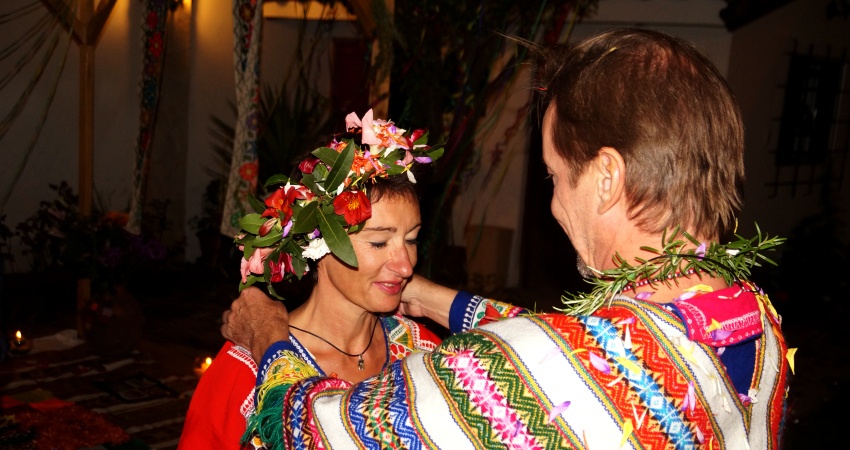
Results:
<point x="215" y="418"/>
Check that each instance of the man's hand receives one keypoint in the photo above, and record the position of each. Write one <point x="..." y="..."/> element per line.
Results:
<point x="424" y="298"/>
<point x="255" y="321"/>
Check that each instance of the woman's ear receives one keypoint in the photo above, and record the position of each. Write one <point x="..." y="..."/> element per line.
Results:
<point x="610" y="172"/>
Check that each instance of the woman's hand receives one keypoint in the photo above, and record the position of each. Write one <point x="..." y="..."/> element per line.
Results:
<point x="255" y="321"/>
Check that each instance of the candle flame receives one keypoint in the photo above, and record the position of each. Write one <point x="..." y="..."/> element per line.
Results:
<point x="208" y="361"/>
<point x="18" y="335"/>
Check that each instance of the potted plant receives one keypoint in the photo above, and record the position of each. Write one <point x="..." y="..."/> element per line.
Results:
<point x="60" y="240"/>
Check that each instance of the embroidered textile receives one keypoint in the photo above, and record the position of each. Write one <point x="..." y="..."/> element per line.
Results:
<point x="153" y="30"/>
<point x="626" y="377"/>
<point x="224" y="398"/>
<point x="247" y="33"/>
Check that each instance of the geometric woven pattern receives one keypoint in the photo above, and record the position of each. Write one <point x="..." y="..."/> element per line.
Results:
<point x="626" y="377"/>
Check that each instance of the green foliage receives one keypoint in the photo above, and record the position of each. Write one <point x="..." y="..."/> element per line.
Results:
<point x="444" y="77"/>
<point x="732" y="261"/>
<point x="5" y="243"/>
<point x="58" y="236"/>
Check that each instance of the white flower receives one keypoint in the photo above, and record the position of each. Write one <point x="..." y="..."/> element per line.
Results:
<point x="732" y="251"/>
<point x="316" y="249"/>
<point x="411" y="177"/>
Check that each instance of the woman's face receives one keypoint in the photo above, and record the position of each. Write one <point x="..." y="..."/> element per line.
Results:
<point x="386" y="255"/>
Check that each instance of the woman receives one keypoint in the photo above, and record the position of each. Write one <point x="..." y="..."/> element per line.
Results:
<point x="347" y="328"/>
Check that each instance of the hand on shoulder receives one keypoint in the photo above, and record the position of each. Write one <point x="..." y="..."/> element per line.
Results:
<point x="255" y="321"/>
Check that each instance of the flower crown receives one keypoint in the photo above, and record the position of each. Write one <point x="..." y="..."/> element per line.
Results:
<point x="313" y="216"/>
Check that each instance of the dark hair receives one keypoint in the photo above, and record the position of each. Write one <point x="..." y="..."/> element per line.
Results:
<point x="665" y="108"/>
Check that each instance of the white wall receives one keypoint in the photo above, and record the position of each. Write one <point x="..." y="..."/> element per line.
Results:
<point x="118" y="64"/>
<point x="501" y="203"/>
<point x="759" y="61"/>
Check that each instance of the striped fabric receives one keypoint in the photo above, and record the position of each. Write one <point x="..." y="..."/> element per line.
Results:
<point x="224" y="398"/>
<point x="626" y="377"/>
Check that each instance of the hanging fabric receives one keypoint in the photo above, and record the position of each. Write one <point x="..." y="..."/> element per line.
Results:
<point x="153" y="35"/>
<point x="247" y="33"/>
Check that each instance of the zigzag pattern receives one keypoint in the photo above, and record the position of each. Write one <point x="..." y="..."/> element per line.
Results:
<point x="624" y="398"/>
<point x="361" y="419"/>
<point x="661" y="409"/>
<point x="670" y="376"/>
<point x="380" y="419"/>
<point x="503" y="371"/>
<point x="399" y="413"/>
<point x="294" y="409"/>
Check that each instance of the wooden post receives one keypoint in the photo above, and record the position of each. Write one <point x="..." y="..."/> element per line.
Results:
<point x="86" y="151"/>
<point x="86" y="27"/>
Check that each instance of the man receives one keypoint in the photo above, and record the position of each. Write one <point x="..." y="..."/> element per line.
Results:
<point x="673" y="348"/>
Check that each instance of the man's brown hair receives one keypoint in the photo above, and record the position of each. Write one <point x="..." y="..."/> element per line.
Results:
<point x="663" y="105"/>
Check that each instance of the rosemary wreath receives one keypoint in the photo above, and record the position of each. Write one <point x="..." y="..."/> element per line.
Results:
<point x="732" y="261"/>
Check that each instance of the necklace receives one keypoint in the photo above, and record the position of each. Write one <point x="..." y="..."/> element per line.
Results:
<point x="732" y="261"/>
<point x="645" y="281"/>
<point x="360" y="364"/>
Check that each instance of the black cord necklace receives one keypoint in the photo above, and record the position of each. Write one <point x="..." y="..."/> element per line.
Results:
<point x="360" y="364"/>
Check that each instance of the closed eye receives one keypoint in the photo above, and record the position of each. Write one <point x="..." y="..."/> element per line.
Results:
<point x="378" y="244"/>
<point x="413" y="242"/>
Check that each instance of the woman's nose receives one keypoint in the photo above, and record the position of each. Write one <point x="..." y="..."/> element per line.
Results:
<point x="401" y="264"/>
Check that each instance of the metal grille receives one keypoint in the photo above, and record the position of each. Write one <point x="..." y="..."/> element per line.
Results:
<point x="813" y="131"/>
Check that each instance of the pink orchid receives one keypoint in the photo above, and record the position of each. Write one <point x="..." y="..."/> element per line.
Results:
<point x="368" y="137"/>
<point x="254" y="265"/>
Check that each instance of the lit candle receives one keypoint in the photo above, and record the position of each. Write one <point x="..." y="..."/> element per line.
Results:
<point x="202" y="366"/>
<point x="19" y="339"/>
<point x="20" y="344"/>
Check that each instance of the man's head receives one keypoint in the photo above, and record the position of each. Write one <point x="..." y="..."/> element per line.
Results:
<point x="665" y="108"/>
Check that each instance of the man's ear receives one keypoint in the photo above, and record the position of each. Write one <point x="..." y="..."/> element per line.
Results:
<point x="610" y="172"/>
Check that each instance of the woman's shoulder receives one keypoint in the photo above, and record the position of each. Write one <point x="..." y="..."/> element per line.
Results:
<point x="233" y="358"/>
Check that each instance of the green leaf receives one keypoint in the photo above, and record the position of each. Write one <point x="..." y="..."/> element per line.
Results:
<point x="327" y="155"/>
<point x="337" y="239"/>
<point x="248" y="250"/>
<point x="273" y="293"/>
<point x="252" y="223"/>
<point x="340" y="168"/>
<point x="307" y="219"/>
<point x="436" y="153"/>
<point x="391" y="158"/>
<point x="267" y="240"/>
<point x="249" y="282"/>
<point x="298" y="266"/>
<point x="278" y="179"/>
<point x="258" y="205"/>
<point x="310" y="182"/>
<point x="422" y="139"/>
<point x="320" y="172"/>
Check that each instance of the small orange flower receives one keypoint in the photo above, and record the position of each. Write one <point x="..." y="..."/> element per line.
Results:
<point x="354" y="206"/>
<point x="361" y="165"/>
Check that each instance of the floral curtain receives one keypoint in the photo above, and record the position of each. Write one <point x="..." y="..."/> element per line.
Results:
<point x="153" y="34"/>
<point x="247" y="31"/>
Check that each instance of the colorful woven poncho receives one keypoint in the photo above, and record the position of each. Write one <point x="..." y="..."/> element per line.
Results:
<point x="628" y="376"/>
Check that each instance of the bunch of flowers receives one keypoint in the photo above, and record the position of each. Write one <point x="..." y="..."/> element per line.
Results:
<point x="313" y="216"/>
<point x="95" y="246"/>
